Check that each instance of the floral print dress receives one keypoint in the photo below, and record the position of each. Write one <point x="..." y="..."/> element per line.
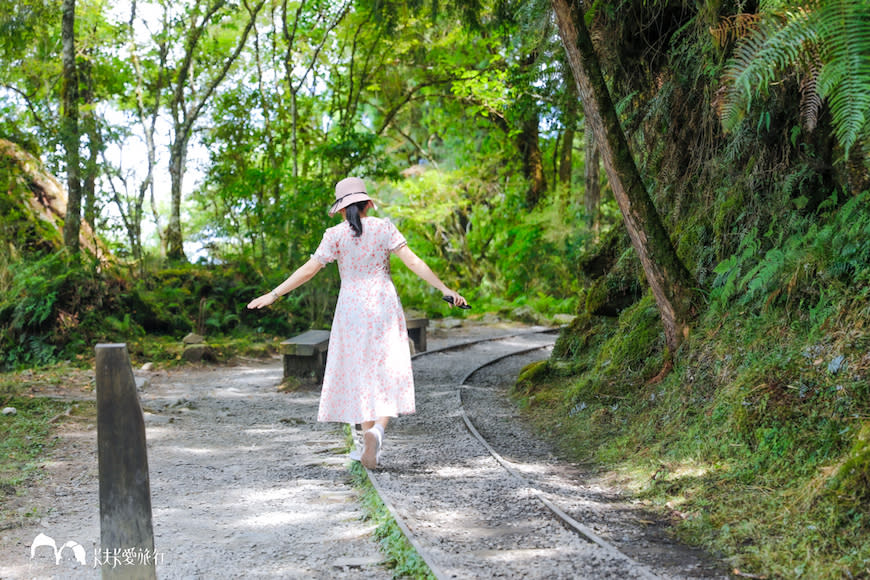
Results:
<point x="368" y="365"/>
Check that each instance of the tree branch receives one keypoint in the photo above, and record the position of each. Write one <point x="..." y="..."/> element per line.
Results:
<point x="193" y="36"/>
<point x="27" y="101"/>
<point x="313" y="61"/>
<point x="388" y="118"/>
<point x="227" y="64"/>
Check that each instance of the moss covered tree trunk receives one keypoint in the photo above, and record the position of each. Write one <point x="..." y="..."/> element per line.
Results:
<point x="533" y="160"/>
<point x="566" y="153"/>
<point x="667" y="276"/>
<point x="528" y="137"/>
<point x="70" y="127"/>
<point x="592" y="180"/>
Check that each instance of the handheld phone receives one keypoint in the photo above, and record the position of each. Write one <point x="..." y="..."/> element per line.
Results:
<point x="449" y="300"/>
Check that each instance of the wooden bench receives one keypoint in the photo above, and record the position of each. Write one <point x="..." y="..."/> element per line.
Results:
<point x="417" y="332"/>
<point x="306" y="353"/>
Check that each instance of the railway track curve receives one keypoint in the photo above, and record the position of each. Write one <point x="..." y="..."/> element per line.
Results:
<point x="475" y="505"/>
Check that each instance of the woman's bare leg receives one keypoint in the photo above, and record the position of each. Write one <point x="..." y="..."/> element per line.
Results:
<point x="382" y="421"/>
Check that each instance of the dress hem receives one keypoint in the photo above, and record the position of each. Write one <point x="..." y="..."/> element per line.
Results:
<point x="392" y="416"/>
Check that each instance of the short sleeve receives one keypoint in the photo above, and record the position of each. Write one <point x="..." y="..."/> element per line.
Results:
<point x="396" y="239"/>
<point x="327" y="251"/>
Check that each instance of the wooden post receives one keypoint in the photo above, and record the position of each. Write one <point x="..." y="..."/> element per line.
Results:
<point x="126" y="532"/>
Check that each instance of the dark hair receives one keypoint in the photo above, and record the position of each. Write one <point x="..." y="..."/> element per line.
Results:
<point x="353" y="215"/>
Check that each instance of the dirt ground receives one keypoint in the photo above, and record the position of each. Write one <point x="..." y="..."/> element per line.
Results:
<point x="244" y="484"/>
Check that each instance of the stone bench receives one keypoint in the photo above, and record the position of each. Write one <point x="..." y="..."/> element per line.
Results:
<point x="306" y="353"/>
<point x="417" y="332"/>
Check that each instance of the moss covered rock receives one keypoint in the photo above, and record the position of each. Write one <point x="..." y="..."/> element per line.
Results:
<point x="618" y="287"/>
<point x="531" y="376"/>
<point x="33" y="203"/>
<point x="851" y="482"/>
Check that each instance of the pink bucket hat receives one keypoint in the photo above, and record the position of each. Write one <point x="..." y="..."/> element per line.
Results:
<point x="348" y="191"/>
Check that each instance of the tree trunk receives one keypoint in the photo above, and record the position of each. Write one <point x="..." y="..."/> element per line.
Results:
<point x="95" y="143"/>
<point x="592" y="181"/>
<point x="177" y="158"/>
<point x="148" y="120"/>
<point x="258" y="239"/>
<point x="290" y="27"/>
<point x="566" y="154"/>
<point x="667" y="276"/>
<point x="187" y="106"/>
<point x="528" y="141"/>
<point x="533" y="160"/>
<point x="294" y="139"/>
<point x="70" y="128"/>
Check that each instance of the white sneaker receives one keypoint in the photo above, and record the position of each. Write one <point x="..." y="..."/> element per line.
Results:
<point x="371" y="449"/>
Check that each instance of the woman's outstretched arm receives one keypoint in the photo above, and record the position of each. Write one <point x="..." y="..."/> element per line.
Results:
<point x="419" y="267"/>
<point x="302" y="275"/>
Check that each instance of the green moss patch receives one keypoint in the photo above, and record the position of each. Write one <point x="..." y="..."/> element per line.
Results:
<point x="756" y="443"/>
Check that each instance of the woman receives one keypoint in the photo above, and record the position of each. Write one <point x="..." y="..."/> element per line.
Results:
<point x="368" y="376"/>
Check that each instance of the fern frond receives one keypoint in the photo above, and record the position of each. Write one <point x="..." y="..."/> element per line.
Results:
<point x="829" y="41"/>
<point x="844" y="81"/>
<point x="771" y="6"/>
<point x="811" y="100"/>
<point x="734" y="27"/>
<point x="765" y="273"/>
<point x="778" y="42"/>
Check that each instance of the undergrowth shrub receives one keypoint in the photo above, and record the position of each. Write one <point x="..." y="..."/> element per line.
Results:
<point x="54" y="307"/>
<point x="756" y="441"/>
<point x="802" y="263"/>
<point x="48" y="308"/>
<point x="212" y="299"/>
<point x="482" y="241"/>
<point x="612" y="360"/>
<point x="759" y="433"/>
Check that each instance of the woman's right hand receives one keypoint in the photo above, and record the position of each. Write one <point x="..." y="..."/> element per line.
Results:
<point x="458" y="300"/>
<point x="262" y="301"/>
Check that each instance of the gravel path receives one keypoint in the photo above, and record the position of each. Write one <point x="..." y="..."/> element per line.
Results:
<point x="472" y="519"/>
<point x="580" y="493"/>
<point x="246" y="484"/>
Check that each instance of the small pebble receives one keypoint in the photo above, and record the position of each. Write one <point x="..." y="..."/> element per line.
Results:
<point x="10" y="410"/>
